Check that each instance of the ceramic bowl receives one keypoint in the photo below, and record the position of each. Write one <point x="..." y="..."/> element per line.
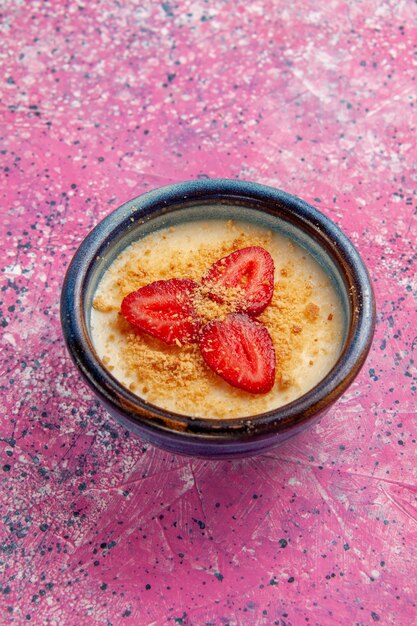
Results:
<point x="218" y="199"/>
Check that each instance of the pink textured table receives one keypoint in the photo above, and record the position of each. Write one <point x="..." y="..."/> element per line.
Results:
<point x="101" y="101"/>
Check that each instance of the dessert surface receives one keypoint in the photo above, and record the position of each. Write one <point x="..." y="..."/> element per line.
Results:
<point x="304" y="319"/>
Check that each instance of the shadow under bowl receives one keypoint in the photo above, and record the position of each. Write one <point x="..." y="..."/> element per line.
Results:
<point x="219" y="199"/>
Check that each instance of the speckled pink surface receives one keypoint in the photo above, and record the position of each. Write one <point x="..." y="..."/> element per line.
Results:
<point x="101" y="101"/>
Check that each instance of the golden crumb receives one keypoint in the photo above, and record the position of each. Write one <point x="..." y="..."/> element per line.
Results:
<point x="312" y="312"/>
<point x="283" y="381"/>
<point x="100" y="304"/>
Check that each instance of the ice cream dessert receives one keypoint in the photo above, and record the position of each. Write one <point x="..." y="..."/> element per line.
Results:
<point x="221" y="347"/>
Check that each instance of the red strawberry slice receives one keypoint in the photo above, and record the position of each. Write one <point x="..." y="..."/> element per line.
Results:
<point x="240" y="350"/>
<point x="251" y="271"/>
<point x="164" y="310"/>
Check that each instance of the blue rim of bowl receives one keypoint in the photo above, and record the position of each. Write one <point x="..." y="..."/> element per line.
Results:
<point x="151" y="418"/>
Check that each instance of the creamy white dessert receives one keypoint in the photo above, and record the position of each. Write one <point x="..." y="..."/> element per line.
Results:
<point x="304" y="319"/>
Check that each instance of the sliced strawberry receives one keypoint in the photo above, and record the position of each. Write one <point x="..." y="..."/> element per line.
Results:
<point x="245" y="278"/>
<point x="240" y="350"/>
<point x="164" y="310"/>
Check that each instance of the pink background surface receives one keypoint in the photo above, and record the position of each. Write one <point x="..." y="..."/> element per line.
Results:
<point x="101" y="101"/>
